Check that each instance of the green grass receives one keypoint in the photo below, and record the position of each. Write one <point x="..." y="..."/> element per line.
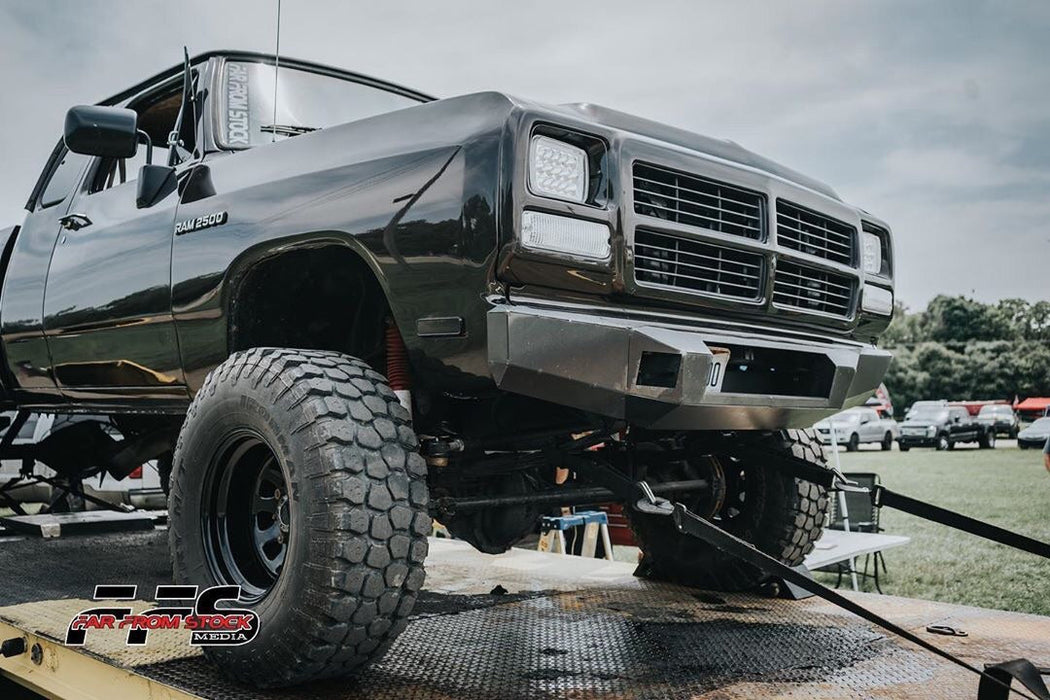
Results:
<point x="1006" y="486"/>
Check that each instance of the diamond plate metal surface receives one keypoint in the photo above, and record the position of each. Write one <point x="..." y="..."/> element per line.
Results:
<point x="568" y="628"/>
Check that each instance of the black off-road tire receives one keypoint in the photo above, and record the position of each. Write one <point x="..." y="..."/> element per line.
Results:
<point x="903" y="447"/>
<point x="887" y="441"/>
<point x="356" y="509"/>
<point x="781" y="515"/>
<point x="943" y="443"/>
<point x="853" y="444"/>
<point x="987" y="440"/>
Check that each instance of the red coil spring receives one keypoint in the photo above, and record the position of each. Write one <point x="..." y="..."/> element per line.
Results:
<point x="396" y="360"/>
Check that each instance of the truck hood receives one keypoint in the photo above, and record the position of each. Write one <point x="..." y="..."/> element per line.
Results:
<point x="921" y="424"/>
<point x="719" y="148"/>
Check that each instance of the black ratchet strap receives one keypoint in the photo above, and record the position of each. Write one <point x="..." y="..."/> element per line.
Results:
<point x="882" y="496"/>
<point x="995" y="683"/>
<point x="995" y="679"/>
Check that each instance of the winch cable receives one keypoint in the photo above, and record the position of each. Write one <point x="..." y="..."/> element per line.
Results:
<point x="995" y="679"/>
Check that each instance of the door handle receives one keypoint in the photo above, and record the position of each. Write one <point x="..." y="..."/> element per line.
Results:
<point x="74" y="222"/>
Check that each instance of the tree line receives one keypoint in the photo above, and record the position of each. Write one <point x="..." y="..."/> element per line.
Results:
<point x="959" y="348"/>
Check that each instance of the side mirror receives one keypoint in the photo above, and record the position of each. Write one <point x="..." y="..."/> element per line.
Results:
<point x="109" y="132"/>
<point x="155" y="183"/>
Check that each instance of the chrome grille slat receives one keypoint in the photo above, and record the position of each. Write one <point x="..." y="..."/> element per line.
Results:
<point x="815" y="234"/>
<point x="844" y="287"/>
<point x="671" y="250"/>
<point x="718" y="197"/>
<point x="803" y="288"/>
<point x="811" y="290"/>
<point x="742" y="275"/>
<point x="813" y="237"/>
<point x="694" y="266"/>
<point x="687" y="214"/>
<point x="688" y="199"/>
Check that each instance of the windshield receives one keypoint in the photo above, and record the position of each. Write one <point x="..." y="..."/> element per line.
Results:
<point x="845" y="417"/>
<point x="928" y="414"/>
<point x="995" y="411"/>
<point x="306" y="101"/>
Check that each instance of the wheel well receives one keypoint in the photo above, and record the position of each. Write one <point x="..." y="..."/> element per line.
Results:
<point x="323" y="298"/>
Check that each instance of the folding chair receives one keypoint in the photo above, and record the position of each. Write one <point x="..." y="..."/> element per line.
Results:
<point x="863" y="516"/>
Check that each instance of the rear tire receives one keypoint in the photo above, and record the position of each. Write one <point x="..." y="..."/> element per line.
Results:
<point x="903" y="447"/>
<point x="314" y="450"/>
<point x="781" y="515"/>
<point x="887" y="441"/>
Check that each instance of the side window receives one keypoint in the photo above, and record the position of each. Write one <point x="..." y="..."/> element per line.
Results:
<point x="63" y="179"/>
<point x="157" y="116"/>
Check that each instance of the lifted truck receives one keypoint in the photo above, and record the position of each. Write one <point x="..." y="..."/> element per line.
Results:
<point x="333" y="320"/>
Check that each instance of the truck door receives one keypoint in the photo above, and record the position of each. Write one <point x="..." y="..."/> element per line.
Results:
<point x="107" y="306"/>
<point x="959" y="425"/>
<point x="21" y="303"/>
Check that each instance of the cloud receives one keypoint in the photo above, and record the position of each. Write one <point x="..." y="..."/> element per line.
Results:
<point x="934" y="116"/>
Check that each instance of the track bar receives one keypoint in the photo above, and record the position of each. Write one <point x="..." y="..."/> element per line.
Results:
<point x="565" y="497"/>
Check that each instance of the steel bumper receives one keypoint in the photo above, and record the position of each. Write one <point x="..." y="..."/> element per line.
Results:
<point x="591" y="362"/>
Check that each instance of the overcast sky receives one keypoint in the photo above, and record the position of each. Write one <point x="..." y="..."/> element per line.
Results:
<point x="933" y="115"/>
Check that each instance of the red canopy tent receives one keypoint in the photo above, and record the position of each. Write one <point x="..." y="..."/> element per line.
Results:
<point x="1033" y="407"/>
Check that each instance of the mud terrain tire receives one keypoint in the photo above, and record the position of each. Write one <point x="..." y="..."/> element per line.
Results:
<point x="353" y="519"/>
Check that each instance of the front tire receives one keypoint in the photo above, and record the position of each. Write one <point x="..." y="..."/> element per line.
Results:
<point x="943" y="443"/>
<point x="781" y="515"/>
<point x="853" y="444"/>
<point x="987" y="441"/>
<point x="296" y="476"/>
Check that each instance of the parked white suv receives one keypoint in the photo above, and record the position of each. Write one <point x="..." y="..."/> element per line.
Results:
<point x="857" y="426"/>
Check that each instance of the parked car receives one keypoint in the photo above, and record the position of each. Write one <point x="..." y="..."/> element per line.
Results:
<point x="858" y="426"/>
<point x="1001" y="418"/>
<point x="141" y="488"/>
<point x="1034" y="435"/>
<point x="935" y="424"/>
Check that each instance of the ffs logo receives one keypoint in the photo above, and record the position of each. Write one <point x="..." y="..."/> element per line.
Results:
<point x="208" y="624"/>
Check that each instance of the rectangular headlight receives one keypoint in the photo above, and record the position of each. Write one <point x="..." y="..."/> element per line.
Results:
<point x="872" y="250"/>
<point x="877" y="300"/>
<point x="562" y="234"/>
<point x="557" y="169"/>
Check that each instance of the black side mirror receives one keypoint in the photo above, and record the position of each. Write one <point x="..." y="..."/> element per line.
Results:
<point x="155" y="183"/>
<point x="109" y="132"/>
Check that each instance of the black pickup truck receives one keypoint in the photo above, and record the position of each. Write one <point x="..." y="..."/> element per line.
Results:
<point x="335" y="318"/>
<point x="936" y="424"/>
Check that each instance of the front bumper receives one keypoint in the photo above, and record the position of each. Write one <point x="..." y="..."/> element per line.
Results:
<point x="591" y="362"/>
<point x="1034" y="443"/>
<point x="917" y="441"/>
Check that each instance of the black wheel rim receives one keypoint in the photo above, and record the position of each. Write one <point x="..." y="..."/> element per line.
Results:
<point x="245" y="515"/>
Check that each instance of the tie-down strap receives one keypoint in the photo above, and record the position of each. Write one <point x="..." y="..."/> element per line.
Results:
<point x="995" y="680"/>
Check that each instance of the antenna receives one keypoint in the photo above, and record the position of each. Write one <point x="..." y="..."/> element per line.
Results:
<point x="276" y="67"/>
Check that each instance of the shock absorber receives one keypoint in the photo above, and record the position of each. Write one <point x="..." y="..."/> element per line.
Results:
<point x="397" y="365"/>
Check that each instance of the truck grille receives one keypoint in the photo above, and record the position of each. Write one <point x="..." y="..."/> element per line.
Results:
<point x="815" y="234"/>
<point x="693" y="266"/>
<point x="687" y="199"/>
<point x="812" y="290"/>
